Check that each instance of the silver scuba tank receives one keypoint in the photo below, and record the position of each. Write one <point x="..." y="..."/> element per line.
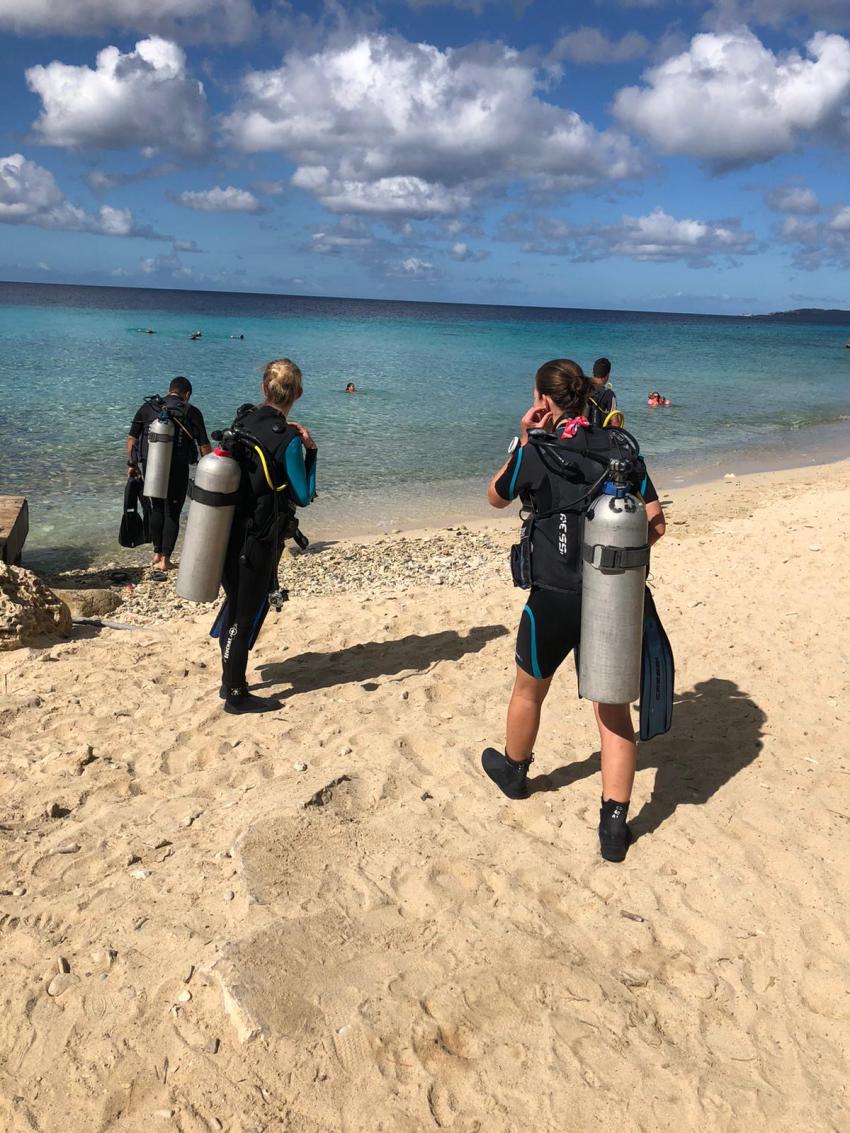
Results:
<point x="615" y="555"/>
<point x="158" y="462"/>
<point x="214" y="495"/>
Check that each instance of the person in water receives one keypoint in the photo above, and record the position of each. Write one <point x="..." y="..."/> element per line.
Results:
<point x="190" y="438"/>
<point x="272" y="487"/>
<point x="550" y="623"/>
<point x="602" y="401"/>
<point x="654" y="400"/>
<point x="351" y="388"/>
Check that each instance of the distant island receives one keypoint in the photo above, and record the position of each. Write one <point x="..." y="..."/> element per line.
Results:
<point x="831" y="316"/>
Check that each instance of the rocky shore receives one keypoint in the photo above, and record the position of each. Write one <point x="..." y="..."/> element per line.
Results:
<point x="455" y="556"/>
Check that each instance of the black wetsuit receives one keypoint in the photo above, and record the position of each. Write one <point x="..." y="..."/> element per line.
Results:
<point x="550" y="626"/>
<point x="601" y="402"/>
<point x="255" y="544"/>
<point x="164" y="515"/>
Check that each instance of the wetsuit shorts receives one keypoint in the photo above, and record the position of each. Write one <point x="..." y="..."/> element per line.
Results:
<point x="549" y="629"/>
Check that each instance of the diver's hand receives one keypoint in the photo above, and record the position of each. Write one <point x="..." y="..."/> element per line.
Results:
<point x="537" y="417"/>
<point x="133" y="471"/>
<point x="304" y="433"/>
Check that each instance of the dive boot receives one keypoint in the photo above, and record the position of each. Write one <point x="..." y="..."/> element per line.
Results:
<point x="614" y="834"/>
<point x="242" y="701"/>
<point x="510" y="776"/>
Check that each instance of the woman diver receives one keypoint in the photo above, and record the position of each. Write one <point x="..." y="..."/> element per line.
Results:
<point x="550" y="624"/>
<point x="278" y="461"/>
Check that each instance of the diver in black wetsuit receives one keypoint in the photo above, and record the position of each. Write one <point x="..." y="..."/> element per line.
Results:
<point x="190" y="438"/>
<point x="273" y="485"/>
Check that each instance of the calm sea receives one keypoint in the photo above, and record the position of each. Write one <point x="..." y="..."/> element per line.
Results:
<point x="442" y="388"/>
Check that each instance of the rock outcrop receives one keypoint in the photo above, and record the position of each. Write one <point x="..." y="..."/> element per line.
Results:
<point x="28" y="609"/>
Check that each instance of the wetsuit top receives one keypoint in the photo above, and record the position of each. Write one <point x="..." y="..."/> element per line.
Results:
<point x="288" y="464"/>
<point x="554" y="478"/>
<point x="601" y="402"/>
<point x="185" y="448"/>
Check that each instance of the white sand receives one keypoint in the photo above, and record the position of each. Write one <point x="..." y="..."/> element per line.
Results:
<point x="404" y="949"/>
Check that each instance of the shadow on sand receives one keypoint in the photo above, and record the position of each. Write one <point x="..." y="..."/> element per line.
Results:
<point x="359" y="663"/>
<point x="716" y="733"/>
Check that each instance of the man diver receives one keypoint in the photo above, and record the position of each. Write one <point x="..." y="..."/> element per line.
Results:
<point x="190" y="437"/>
<point x="278" y="475"/>
<point x="557" y="490"/>
<point x="602" y="401"/>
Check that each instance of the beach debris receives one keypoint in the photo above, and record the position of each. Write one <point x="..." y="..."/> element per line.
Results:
<point x="139" y="922"/>
<point x="299" y="766"/>
<point x="19" y="892"/>
<point x="229" y="895"/>
<point x="324" y="795"/>
<point x="187" y="975"/>
<point x="814" y="547"/>
<point x="140" y="874"/>
<point x="405" y="695"/>
<point x="212" y="1048"/>
<point x="63" y="965"/>
<point x="345" y="750"/>
<point x="634" y="979"/>
<point x="163" y="1114"/>
<point x="730" y="476"/>
<point x="67" y="848"/>
<point x="190" y="818"/>
<point x="185" y="996"/>
<point x="632" y="916"/>
<point x="83" y="757"/>
<point x="59" y="984"/>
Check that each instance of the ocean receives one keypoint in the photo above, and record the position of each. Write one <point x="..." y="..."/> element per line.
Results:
<point x="441" y="390"/>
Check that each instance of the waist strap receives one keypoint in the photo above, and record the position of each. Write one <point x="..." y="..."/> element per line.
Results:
<point x="161" y="438"/>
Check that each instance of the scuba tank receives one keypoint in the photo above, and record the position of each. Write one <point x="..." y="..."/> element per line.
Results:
<point x="158" y="462"/>
<point x="615" y="555"/>
<point x="214" y="496"/>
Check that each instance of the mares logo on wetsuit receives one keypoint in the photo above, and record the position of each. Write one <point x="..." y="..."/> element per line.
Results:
<point x="562" y="533"/>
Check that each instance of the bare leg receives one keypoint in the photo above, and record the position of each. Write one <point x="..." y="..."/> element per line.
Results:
<point x="524" y="715"/>
<point x="619" y="751"/>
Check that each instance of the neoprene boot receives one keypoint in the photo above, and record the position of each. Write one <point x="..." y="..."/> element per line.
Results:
<point x="243" y="701"/>
<point x="614" y="834"/>
<point x="509" y="776"/>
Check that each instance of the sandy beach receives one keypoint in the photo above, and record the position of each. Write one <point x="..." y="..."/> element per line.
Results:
<point x="328" y="920"/>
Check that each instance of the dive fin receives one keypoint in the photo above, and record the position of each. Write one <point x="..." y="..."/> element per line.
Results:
<point x="657" y="675"/>
<point x="256" y="625"/>
<point x="131" y="532"/>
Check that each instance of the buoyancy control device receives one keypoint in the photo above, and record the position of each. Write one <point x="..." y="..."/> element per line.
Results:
<point x="615" y="556"/>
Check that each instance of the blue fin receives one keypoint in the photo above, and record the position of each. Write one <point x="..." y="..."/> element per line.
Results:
<point x="657" y="675"/>
<point x="257" y="625"/>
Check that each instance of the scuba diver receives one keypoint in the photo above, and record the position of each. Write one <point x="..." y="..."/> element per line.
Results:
<point x="189" y="437"/>
<point x="278" y="474"/>
<point x="602" y="401"/>
<point x="556" y="467"/>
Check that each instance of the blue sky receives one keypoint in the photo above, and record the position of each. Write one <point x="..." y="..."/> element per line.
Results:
<point x="646" y="154"/>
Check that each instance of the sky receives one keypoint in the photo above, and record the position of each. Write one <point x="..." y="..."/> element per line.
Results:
<point x="633" y="154"/>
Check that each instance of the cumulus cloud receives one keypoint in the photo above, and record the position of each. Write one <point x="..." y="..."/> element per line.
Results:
<point x="818" y="243"/>
<point x="212" y="21"/>
<point x="143" y="98"/>
<point x="29" y="195"/>
<point x="731" y="101"/>
<point x="828" y="15"/>
<point x="387" y="127"/>
<point x="349" y="234"/>
<point x="656" y="237"/>
<point x="220" y="199"/>
<point x="792" y="199"/>
<point x="412" y="267"/>
<point x="462" y="252"/>
<point x="590" y="45"/>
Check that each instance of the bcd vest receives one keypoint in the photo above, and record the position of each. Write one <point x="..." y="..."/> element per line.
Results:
<point x="548" y="555"/>
<point x="256" y="506"/>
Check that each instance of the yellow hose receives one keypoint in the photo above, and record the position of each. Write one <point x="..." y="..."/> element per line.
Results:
<point x="265" y="467"/>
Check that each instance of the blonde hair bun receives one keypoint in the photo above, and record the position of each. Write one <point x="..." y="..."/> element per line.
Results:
<point x="282" y="382"/>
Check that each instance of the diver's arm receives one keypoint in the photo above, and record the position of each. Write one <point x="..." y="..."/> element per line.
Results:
<point x="656" y="521"/>
<point x="300" y="471"/>
<point x="493" y="497"/>
<point x="204" y="449"/>
<point x="132" y="466"/>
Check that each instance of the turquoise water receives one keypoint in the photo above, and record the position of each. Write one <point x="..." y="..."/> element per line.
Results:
<point x="442" y="390"/>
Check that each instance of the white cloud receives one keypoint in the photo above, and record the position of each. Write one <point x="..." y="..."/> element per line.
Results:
<point x="816" y="244"/>
<point x="793" y="199"/>
<point x="351" y="234"/>
<point x="733" y="102"/>
<point x="170" y="266"/>
<point x="831" y="15"/>
<point x="462" y="252"/>
<point x="144" y="98"/>
<point x="591" y="45"/>
<point x="414" y="268"/>
<point x="656" y="237"/>
<point x="29" y="195"/>
<point x="212" y="21"/>
<point x="385" y="126"/>
<point x="220" y="199"/>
